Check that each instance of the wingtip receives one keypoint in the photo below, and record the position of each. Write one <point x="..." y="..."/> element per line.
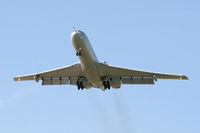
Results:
<point x="16" y="79"/>
<point x="184" y="77"/>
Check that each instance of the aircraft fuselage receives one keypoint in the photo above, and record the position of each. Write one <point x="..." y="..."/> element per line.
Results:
<point x="87" y="58"/>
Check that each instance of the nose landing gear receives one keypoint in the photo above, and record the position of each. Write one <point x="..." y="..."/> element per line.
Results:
<point x="78" y="53"/>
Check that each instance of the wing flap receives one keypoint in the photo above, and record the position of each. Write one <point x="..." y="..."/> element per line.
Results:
<point x="55" y="81"/>
<point x="137" y="80"/>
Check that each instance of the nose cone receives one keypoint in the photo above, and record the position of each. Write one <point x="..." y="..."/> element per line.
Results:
<point x="75" y="34"/>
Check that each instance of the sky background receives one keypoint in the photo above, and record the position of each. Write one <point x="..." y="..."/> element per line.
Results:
<point x="159" y="36"/>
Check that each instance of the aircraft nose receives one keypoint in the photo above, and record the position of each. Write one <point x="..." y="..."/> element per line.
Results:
<point x="75" y="34"/>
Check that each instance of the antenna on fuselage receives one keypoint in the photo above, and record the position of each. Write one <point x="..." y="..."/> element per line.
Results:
<point x="74" y="28"/>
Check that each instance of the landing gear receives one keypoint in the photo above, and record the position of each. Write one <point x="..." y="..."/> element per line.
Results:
<point x="80" y="85"/>
<point x="106" y="85"/>
<point x="78" y="53"/>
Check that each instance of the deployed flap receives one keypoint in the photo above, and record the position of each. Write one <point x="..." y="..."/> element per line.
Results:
<point x="137" y="80"/>
<point x="68" y="71"/>
<point x="55" y="81"/>
<point x="113" y="71"/>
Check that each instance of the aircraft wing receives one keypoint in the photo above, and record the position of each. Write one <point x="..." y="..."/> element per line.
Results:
<point x="130" y="76"/>
<point x="60" y="73"/>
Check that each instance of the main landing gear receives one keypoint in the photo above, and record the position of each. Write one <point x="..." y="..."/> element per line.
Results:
<point x="80" y="85"/>
<point x="106" y="85"/>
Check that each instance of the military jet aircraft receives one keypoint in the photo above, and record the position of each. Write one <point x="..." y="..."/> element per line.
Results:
<point x="92" y="73"/>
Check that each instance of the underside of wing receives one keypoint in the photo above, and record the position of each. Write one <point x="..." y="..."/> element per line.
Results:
<point x="68" y="71"/>
<point x="130" y="76"/>
<point x="72" y="75"/>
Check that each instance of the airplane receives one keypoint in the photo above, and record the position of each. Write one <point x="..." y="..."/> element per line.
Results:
<point x="92" y="73"/>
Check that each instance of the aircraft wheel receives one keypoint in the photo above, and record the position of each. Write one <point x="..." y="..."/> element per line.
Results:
<point x="108" y="85"/>
<point x="81" y="85"/>
<point x="78" y="53"/>
<point x="104" y="84"/>
<point x="78" y="86"/>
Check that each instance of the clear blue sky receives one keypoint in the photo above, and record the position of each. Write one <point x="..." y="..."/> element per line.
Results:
<point x="160" y="36"/>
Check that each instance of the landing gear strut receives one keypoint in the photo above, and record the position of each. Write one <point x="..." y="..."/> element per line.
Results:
<point x="80" y="85"/>
<point x="106" y="85"/>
